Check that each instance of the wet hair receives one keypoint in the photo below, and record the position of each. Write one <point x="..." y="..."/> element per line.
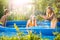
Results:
<point x="6" y="11"/>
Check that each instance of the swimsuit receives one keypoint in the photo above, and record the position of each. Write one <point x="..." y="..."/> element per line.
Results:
<point x="31" y="24"/>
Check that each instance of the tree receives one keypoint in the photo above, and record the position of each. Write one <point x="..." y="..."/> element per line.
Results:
<point x="3" y="4"/>
<point x="1" y="8"/>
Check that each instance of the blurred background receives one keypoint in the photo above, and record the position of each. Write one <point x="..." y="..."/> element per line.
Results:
<point x="22" y="9"/>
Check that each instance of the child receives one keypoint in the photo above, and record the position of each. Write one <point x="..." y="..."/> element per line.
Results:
<point x="32" y="21"/>
<point x="50" y="16"/>
<point x="4" y="18"/>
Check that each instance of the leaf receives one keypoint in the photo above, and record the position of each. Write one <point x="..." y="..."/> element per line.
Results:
<point x="16" y="27"/>
<point x="55" y="33"/>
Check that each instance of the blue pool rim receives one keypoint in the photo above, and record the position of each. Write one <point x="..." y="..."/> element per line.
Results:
<point x="37" y="30"/>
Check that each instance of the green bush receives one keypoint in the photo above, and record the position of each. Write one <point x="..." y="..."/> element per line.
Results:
<point x="57" y="37"/>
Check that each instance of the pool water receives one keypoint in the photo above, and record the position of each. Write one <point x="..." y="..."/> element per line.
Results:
<point x="11" y="31"/>
<point x="10" y="34"/>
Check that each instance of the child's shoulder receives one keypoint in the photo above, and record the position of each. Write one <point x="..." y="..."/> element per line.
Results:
<point x="29" y="20"/>
<point x="3" y="16"/>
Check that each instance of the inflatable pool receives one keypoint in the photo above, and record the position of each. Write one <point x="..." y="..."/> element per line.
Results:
<point x="43" y="27"/>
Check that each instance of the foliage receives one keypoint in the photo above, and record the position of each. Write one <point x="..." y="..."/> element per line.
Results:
<point x="40" y="7"/>
<point x="16" y="27"/>
<point x="1" y="8"/>
<point x="57" y="36"/>
<point x="42" y="4"/>
<point x="29" y="36"/>
<point x="20" y="17"/>
<point x="3" y="5"/>
<point x="39" y="18"/>
<point x="55" y="33"/>
<point x="10" y="17"/>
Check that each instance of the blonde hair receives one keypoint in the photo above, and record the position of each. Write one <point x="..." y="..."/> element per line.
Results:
<point x="32" y="16"/>
<point x="49" y="7"/>
<point x="6" y="11"/>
